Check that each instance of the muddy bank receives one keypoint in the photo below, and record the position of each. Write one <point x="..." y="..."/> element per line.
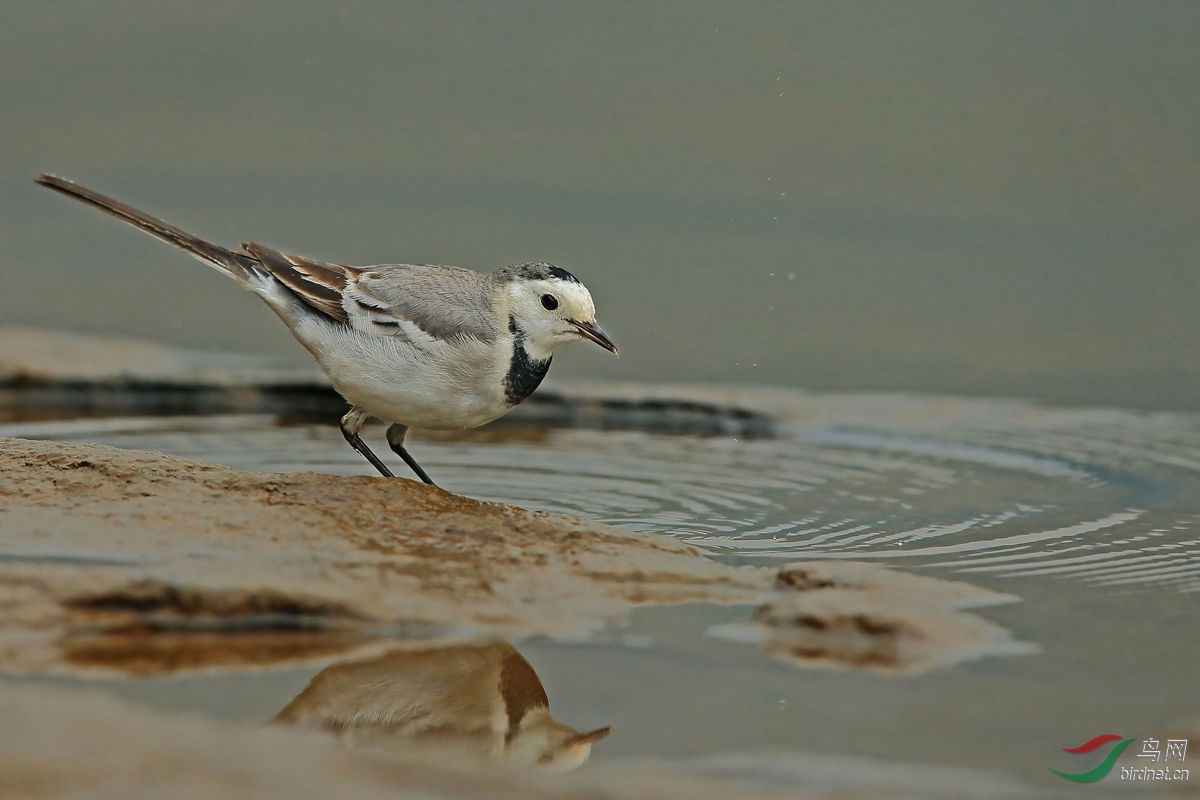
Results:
<point x="136" y="563"/>
<point x="99" y="541"/>
<point x="845" y="615"/>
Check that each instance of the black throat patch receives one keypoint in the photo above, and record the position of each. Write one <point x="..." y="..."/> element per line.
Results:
<point x="524" y="374"/>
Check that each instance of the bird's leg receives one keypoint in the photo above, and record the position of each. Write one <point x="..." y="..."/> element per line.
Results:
<point x="351" y="424"/>
<point x="395" y="437"/>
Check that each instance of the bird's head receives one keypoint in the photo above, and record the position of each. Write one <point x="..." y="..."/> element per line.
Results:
<point x="546" y="743"/>
<point x="549" y="307"/>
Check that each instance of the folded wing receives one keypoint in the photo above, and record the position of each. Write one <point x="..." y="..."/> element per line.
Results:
<point x="318" y="284"/>
<point x="419" y="303"/>
<point x="424" y="304"/>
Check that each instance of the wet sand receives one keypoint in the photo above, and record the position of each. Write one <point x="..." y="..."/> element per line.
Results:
<point x="101" y="539"/>
<point x="137" y="562"/>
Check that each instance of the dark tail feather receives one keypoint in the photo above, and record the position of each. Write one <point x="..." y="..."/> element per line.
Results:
<point x="238" y="265"/>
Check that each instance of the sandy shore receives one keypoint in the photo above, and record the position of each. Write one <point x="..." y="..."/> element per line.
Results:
<point x="136" y="562"/>
<point x="103" y="545"/>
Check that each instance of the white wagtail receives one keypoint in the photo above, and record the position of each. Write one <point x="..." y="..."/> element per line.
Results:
<point x="418" y="346"/>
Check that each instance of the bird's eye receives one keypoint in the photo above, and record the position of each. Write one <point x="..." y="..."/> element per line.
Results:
<point x="549" y="302"/>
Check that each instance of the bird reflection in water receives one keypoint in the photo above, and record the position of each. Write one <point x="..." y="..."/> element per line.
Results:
<point x="482" y="700"/>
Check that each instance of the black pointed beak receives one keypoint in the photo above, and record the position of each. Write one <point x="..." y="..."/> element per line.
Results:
<point x="590" y="330"/>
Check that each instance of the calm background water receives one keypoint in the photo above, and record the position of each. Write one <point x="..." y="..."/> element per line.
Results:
<point x="985" y="198"/>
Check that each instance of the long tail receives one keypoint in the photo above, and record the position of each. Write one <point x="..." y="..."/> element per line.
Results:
<point x="238" y="266"/>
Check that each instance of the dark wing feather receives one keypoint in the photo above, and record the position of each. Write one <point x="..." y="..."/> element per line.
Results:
<point x="317" y="283"/>
<point x="521" y="689"/>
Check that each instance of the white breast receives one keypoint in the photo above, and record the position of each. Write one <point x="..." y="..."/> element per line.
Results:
<point x="449" y="384"/>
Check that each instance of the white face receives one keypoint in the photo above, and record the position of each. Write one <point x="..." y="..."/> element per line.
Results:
<point x="539" y="748"/>
<point x="542" y="741"/>
<point x="551" y="313"/>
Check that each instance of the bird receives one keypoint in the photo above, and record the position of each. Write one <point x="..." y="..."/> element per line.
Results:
<point x="479" y="700"/>
<point x="414" y="345"/>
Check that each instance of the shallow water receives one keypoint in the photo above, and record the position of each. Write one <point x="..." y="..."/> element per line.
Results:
<point x="1087" y="516"/>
